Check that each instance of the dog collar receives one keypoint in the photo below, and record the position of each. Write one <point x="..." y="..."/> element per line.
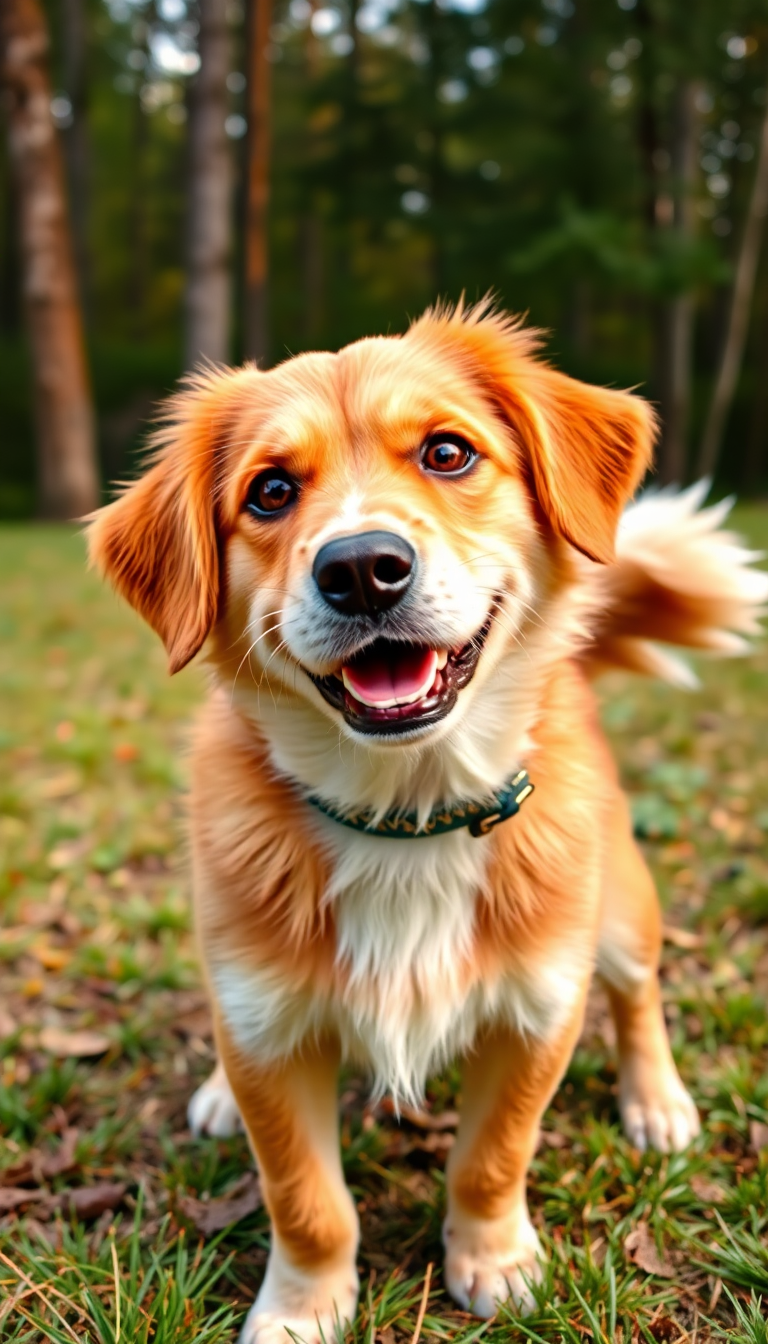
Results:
<point x="479" y="818"/>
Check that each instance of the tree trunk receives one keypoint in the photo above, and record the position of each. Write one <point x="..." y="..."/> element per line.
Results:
<point x="74" y="35"/>
<point x="440" y="189"/>
<point x="738" y="315"/>
<point x="311" y="228"/>
<point x="209" y="194"/>
<point x="647" y="125"/>
<point x="257" y="194"/>
<point x="678" y="313"/>
<point x="68" y="480"/>
<point x="676" y="344"/>
<point x="753" y="467"/>
<point x="139" y="258"/>
<point x="10" y="290"/>
<point x="650" y="147"/>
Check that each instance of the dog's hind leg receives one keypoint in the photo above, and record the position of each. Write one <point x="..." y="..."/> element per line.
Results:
<point x="656" y="1110"/>
<point x="212" y="1108"/>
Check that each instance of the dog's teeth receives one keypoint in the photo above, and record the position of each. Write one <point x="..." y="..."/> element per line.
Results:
<point x="442" y="659"/>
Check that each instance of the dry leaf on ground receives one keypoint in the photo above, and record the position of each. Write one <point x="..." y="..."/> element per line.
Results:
<point x="60" y="786"/>
<point x="413" y="1115"/>
<point x="88" y="1201"/>
<point x="551" y="1138"/>
<point x="213" y="1215"/>
<point x="709" y="1192"/>
<point x="37" y="1166"/>
<point x="682" y="937"/>
<point x="63" y="1160"/>
<point x="11" y="1198"/>
<point x="758" y="1135"/>
<point x="640" y="1248"/>
<point x="51" y="958"/>
<point x="664" y="1328"/>
<point x="401" y="1145"/>
<point x="73" y="1044"/>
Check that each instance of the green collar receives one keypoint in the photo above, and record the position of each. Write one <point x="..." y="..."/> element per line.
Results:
<point x="480" y="818"/>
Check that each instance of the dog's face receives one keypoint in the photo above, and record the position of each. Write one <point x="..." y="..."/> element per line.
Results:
<point x="373" y="529"/>
<point x="381" y="537"/>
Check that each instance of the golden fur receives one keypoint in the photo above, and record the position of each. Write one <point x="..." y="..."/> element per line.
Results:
<point x="319" y="942"/>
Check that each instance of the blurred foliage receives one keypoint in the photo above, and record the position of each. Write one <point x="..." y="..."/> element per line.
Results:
<point x="420" y="148"/>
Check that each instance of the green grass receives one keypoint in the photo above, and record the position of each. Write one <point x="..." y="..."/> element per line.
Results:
<point x="95" y="937"/>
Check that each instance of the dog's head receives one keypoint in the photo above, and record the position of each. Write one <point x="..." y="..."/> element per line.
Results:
<point x="374" y="528"/>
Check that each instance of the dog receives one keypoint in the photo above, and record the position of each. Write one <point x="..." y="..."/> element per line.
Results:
<point x="406" y="562"/>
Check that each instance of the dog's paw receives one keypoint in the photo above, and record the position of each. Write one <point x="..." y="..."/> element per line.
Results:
<point x="317" y="1309"/>
<point x="266" y="1327"/>
<point x="212" y="1108"/>
<point x="660" y="1116"/>
<point x="489" y="1263"/>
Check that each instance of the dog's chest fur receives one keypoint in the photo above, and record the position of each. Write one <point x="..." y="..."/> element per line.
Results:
<point x="406" y="996"/>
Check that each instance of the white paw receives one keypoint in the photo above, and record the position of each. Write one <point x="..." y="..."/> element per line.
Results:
<point x="487" y="1263"/>
<point x="212" y="1108"/>
<point x="664" y="1118"/>
<point x="265" y="1327"/>
<point x="316" y="1308"/>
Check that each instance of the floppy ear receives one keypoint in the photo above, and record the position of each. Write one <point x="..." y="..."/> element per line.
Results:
<point x="587" y="448"/>
<point x="158" y="542"/>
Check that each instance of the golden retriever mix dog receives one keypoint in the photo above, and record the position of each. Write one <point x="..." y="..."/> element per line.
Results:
<point x="406" y="561"/>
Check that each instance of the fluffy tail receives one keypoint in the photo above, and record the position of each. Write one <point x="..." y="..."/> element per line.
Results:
<point x="679" y="579"/>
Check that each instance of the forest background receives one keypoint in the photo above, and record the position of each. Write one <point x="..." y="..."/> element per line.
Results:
<point x="596" y="163"/>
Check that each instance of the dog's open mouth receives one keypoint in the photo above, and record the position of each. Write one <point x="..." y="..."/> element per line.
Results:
<point x="393" y="687"/>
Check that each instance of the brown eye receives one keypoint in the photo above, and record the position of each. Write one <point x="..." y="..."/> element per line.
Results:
<point x="447" y="454"/>
<point x="271" y="492"/>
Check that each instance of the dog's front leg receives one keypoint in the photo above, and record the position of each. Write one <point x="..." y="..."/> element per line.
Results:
<point x="490" y="1243"/>
<point x="290" y="1112"/>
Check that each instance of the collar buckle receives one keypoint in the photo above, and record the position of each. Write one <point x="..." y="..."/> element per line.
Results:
<point x="508" y="804"/>
<point x="485" y="824"/>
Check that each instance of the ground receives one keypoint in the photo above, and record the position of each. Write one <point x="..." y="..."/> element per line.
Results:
<point x="113" y="1219"/>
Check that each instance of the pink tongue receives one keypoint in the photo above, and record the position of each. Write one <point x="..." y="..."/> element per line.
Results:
<point x="380" y="679"/>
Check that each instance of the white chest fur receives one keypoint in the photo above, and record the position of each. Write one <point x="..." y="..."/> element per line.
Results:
<point x="404" y="912"/>
<point x="404" y="1000"/>
<point x="403" y="909"/>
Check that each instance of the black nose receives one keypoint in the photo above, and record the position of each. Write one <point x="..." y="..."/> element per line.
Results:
<point x="365" y="574"/>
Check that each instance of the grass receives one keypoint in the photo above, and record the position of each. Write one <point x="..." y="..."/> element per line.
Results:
<point x="95" y="939"/>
